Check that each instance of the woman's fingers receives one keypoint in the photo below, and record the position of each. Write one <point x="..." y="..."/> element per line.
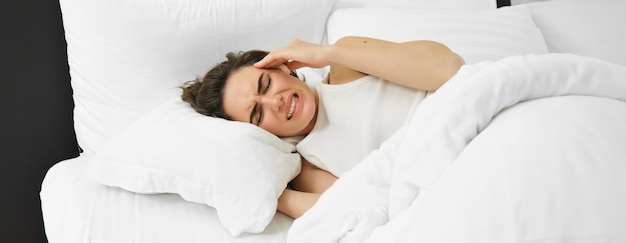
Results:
<point x="295" y="65"/>
<point x="270" y="61"/>
<point x="297" y="53"/>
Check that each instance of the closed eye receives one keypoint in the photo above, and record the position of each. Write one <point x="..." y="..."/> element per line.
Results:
<point x="267" y="87"/>
<point x="257" y="111"/>
<point x="253" y="114"/>
<point x="256" y="105"/>
<point x="260" y="119"/>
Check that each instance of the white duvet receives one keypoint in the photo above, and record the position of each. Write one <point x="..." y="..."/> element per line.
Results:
<point x="525" y="149"/>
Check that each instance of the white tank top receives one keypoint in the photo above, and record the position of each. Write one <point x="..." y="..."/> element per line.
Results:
<point x="355" y="118"/>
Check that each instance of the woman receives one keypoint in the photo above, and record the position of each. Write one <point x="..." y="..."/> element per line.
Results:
<point x="262" y="89"/>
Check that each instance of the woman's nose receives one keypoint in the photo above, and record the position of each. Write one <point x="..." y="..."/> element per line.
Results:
<point x="274" y="102"/>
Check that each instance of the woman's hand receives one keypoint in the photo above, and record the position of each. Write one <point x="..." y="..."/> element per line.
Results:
<point x="298" y="54"/>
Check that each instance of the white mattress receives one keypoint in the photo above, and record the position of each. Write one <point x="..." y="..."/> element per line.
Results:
<point x="76" y="209"/>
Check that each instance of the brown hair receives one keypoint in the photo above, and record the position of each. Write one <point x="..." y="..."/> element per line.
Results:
<point x="206" y="94"/>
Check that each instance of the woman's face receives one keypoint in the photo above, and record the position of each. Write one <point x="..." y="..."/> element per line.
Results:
<point x="272" y="99"/>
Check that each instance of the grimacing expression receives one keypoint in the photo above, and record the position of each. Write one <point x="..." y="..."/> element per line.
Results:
<point x="271" y="99"/>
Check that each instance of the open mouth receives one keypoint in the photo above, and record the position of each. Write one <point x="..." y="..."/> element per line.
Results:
<point x="292" y="106"/>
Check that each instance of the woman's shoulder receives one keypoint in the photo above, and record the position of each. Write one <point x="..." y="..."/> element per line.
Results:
<point x="360" y="82"/>
<point x="341" y="75"/>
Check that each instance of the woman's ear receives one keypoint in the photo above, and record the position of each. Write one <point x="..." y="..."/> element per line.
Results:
<point x="284" y="68"/>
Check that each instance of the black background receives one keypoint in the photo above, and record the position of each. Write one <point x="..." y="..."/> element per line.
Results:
<point x="35" y="112"/>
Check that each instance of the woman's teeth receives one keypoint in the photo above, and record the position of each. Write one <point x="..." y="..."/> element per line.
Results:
<point x="292" y="108"/>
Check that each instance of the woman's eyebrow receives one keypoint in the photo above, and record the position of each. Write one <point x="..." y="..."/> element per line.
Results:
<point x="258" y="90"/>
<point x="259" y="84"/>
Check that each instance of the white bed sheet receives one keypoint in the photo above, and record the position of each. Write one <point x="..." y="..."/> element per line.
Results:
<point x="79" y="210"/>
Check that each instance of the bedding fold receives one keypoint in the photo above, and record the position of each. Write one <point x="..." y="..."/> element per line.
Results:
<point x="440" y="131"/>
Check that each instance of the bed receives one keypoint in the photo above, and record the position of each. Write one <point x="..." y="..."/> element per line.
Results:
<point x="524" y="144"/>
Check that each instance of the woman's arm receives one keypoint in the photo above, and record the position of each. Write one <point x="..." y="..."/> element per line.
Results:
<point x="312" y="179"/>
<point x="308" y="185"/>
<point x="423" y="65"/>
<point x="295" y="203"/>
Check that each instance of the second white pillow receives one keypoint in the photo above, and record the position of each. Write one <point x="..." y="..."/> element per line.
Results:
<point x="475" y="35"/>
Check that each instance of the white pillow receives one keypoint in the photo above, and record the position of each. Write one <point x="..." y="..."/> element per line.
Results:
<point x="477" y="35"/>
<point x="126" y="57"/>
<point x="235" y="167"/>
<point x="588" y="28"/>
